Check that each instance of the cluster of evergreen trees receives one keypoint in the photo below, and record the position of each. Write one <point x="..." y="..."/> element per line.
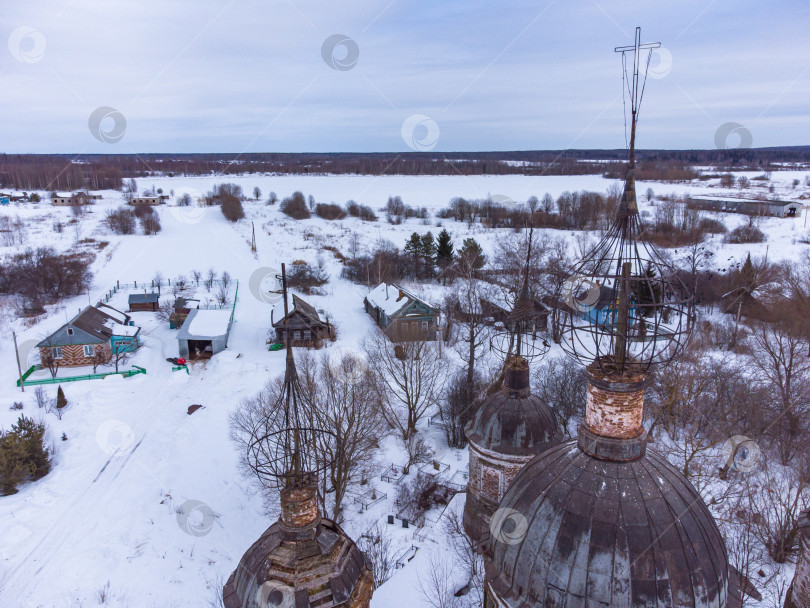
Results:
<point x="23" y="456"/>
<point x="423" y="257"/>
<point x="429" y="257"/>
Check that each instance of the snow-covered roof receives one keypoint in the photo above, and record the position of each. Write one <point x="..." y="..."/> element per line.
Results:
<point x="121" y="330"/>
<point x="734" y="199"/>
<point x="387" y="298"/>
<point x="143" y="298"/>
<point x="203" y="324"/>
<point x="116" y="314"/>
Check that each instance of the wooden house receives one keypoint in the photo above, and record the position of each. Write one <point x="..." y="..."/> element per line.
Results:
<point x="100" y="330"/>
<point x="401" y="315"/>
<point x="305" y="324"/>
<point x="149" y="302"/>
<point x="182" y="308"/>
<point x="158" y="199"/>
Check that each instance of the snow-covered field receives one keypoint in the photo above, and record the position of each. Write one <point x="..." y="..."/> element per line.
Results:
<point x="108" y="515"/>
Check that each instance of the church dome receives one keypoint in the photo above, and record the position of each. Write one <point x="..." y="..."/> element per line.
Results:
<point x="517" y="426"/>
<point x="301" y="560"/>
<point x="513" y="421"/>
<point x="575" y="530"/>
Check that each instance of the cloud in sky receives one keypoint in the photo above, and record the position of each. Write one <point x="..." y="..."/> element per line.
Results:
<point x="250" y="76"/>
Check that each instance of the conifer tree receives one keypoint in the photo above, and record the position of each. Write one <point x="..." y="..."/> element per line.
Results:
<point x="472" y="254"/>
<point x="428" y="254"/>
<point x="747" y="275"/>
<point x="444" y="251"/>
<point x="413" y="251"/>
<point x="61" y="401"/>
<point x="23" y="455"/>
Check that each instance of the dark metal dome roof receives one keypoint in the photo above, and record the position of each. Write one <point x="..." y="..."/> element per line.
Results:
<point x="514" y="425"/>
<point x="276" y="571"/>
<point x="580" y="531"/>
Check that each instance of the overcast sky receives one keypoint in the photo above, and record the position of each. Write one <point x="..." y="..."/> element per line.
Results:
<point x="255" y="75"/>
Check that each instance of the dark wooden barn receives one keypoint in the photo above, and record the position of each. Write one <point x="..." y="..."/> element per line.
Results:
<point x="305" y="325"/>
<point x="144" y="302"/>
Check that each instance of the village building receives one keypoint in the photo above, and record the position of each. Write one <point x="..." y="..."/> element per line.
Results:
<point x="204" y="333"/>
<point x="79" y="197"/>
<point x="149" y="302"/>
<point x="306" y="328"/>
<point x="13" y="197"/>
<point x="182" y="307"/>
<point x="158" y="199"/>
<point x="401" y="315"/>
<point x="748" y="206"/>
<point x="494" y="308"/>
<point x="94" y="332"/>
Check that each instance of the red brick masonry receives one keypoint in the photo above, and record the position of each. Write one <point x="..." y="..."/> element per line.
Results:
<point x="615" y="408"/>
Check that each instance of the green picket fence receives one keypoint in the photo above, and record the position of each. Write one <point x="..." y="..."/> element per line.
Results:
<point x="130" y="372"/>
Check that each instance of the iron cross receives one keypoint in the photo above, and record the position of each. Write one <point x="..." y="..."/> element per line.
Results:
<point x="636" y="48"/>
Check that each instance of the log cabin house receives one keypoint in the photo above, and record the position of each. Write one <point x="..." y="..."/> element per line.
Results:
<point x="148" y="302"/>
<point x="306" y="326"/>
<point x="401" y="315"/>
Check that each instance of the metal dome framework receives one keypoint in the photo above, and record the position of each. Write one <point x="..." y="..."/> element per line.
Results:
<point x="520" y="336"/>
<point x="288" y="450"/>
<point x="624" y="308"/>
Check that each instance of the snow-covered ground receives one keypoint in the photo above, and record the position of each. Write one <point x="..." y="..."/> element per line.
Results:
<point x="114" y="512"/>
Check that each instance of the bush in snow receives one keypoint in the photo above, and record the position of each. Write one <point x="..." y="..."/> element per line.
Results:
<point x="295" y="206"/>
<point x="23" y="456"/>
<point x="121" y="221"/>
<point x="232" y="208"/>
<point x="364" y="212"/>
<point x="745" y="234"/>
<point x="305" y="277"/>
<point x="329" y="211"/>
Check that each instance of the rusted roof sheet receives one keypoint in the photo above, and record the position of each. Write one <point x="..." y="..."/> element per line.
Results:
<point x="601" y="533"/>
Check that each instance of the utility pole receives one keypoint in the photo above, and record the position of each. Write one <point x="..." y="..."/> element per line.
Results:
<point x="19" y="367"/>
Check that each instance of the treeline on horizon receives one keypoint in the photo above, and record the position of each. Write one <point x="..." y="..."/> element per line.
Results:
<point x="102" y="172"/>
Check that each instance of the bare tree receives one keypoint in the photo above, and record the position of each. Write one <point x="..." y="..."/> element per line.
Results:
<point x="222" y="295"/>
<point x="378" y="547"/>
<point x="121" y="354"/>
<point x="342" y="399"/>
<point x="254" y="417"/>
<point x="469" y="557"/>
<point x="41" y="396"/>
<point x="48" y="358"/>
<point x="100" y="356"/>
<point x="409" y="379"/>
<point x="779" y="356"/>
<point x="562" y="386"/>
<point x="436" y="582"/>
<point x="777" y="497"/>
<point x="210" y="278"/>
<point x="417" y="449"/>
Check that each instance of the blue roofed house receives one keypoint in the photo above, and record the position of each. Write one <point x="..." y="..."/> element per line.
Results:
<point x="604" y="312"/>
<point x="400" y="314"/>
<point x="96" y="331"/>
